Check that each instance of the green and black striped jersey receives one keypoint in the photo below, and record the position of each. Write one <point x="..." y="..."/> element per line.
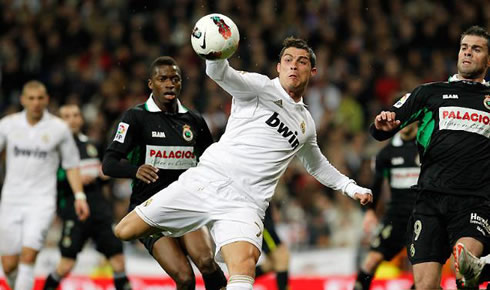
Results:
<point x="453" y="135"/>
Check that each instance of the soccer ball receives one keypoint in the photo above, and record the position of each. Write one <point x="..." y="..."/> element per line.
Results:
<point x="215" y="36"/>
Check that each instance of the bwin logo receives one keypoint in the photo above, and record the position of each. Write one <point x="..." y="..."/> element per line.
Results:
<point x="274" y="121"/>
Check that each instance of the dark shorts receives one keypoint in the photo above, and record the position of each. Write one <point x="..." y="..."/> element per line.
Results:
<point x="76" y="233"/>
<point x="271" y="239"/>
<point x="439" y="220"/>
<point x="391" y="236"/>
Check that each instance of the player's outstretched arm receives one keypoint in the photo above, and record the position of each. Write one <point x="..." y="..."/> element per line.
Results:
<point x="81" y="206"/>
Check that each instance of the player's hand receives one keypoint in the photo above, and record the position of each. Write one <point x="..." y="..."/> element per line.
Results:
<point x="147" y="173"/>
<point x="370" y="221"/>
<point x="82" y="209"/>
<point x="386" y="121"/>
<point x="364" y="197"/>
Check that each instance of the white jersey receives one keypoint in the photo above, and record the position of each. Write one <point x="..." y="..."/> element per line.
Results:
<point x="33" y="157"/>
<point x="266" y="129"/>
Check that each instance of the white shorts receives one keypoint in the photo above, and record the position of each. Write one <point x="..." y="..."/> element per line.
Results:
<point x="196" y="200"/>
<point x="24" y="226"/>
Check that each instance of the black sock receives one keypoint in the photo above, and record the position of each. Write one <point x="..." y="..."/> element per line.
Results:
<point x="485" y="274"/>
<point x="52" y="282"/>
<point x="121" y="281"/>
<point x="258" y="271"/>
<point x="363" y="280"/>
<point x="215" y="280"/>
<point x="282" y="280"/>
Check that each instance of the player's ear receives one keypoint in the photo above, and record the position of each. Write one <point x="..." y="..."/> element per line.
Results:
<point x="150" y="84"/>
<point x="278" y="67"/>
<point x="313" y="71"/>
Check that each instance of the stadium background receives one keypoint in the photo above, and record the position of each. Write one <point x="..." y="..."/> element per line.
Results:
<point x="97" y="53"/>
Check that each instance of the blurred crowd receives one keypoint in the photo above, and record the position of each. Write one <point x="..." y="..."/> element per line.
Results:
<point x="96" y="53"/>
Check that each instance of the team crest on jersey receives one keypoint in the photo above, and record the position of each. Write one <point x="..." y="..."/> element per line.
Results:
<point x="303" y="126"/>
<point x="91" y="150"/>
<point x="486" y="102"/>
<point x="401" y="101"/>
<point x="147" y="202"/>
<point x="122" y="130"/>
<point x="45" y="138"/>
<point x="187" y="133"/>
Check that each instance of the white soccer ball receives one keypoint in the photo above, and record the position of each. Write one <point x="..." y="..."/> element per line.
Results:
<point x="215" y="36"/>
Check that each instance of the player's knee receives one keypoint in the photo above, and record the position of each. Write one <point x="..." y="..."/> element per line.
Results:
<point x="281" y="257"/>
<point x="117" y="263"/>
<point x="9" y="267"/>
<point x="123" y="231"/>
<point x="65" y="267"/>
<point x="205" y="263"/>
<point x="184" y="280"/>
<point x="372" y="261"/>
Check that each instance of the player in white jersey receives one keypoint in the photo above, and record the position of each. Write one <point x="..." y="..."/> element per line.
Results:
<point x="230" y="188"/>
<point x="34" y="141"/>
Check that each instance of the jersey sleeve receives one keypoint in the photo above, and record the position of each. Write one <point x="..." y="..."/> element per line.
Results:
<point x="125" y="134"/>
<point x="319" y="167"/>
<point x="70" y="156"/>
<point x="205" y="138"/>
<point x="408" y="109"/>
<point x="239" y="84"/>
<point x="3" y="133"/>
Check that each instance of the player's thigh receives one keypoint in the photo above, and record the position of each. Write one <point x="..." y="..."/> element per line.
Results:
<point x="72" y="238"/>
<point x="37" y="221"/>
<point x="11" y="219"/>
<point x="171" y="257"/>
<point x="199" y="246"/>
<point x="428" y="239"/>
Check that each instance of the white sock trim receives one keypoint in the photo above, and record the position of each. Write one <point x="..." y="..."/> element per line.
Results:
<point x="239" y="282"/>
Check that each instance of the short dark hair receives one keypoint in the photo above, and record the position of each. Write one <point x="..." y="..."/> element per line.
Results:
<point x="292" y="41"/>
<point x="478" y="31"/>
<point x="163" y="60"/>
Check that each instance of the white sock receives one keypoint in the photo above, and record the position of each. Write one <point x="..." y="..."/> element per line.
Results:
<point x="25" y="278"/>
<point x="485" y="259"/>
<point x="11" y="278"/>
<point x="240" y="282"/>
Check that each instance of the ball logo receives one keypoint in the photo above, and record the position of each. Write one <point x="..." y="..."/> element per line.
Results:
<point x="223" y="28"/>
<point x="187" y="133"/>
<point x="486" y="102"/>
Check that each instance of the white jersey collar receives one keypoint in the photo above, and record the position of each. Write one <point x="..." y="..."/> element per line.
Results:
<point x="152" y="107"/>
<point x="285" y="95"/>
<point x="43" y="118"/>
<point x="454" y="78"/>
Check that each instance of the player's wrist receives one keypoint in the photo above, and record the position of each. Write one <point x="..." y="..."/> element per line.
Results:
<point x="80" y="195"/>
